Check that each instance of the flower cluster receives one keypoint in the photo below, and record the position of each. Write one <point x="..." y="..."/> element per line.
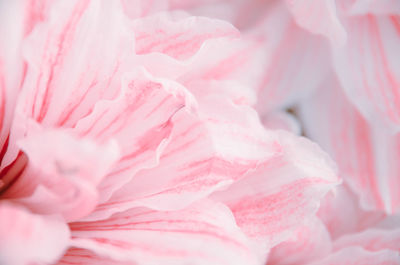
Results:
<point x="169" y="132"/>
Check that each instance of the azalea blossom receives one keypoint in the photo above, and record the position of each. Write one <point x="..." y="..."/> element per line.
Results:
<point x="128" y="136"/>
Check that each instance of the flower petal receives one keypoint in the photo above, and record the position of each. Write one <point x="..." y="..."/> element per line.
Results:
<point x="357" y="255"/>
<point x="186" y="49"/>
<point x="43" y="239"/>
<point x="281" y="120"/>
<point x="372" y="239"/>
<point x="142" y="8"/>
<point x="73" y="61"/>
<point x="311" y="242"/>
<point x="13" y="29"/>
<point x="367" y="155"/>
<point x="365" y="7"/>
<point x="87" y="257"/>
<point x="296" y="61"/>
<point x="272" y="202"/>
<point x="140" y="120"/>
<point x="61" y="175"/>
<point x="204" y="233"/>
<point x="177" y="35"/>
<point x="207" y="151"/>
<point x="319" y="17"/>
<point x="368" y="68"/>
<point x="342" y="214"/>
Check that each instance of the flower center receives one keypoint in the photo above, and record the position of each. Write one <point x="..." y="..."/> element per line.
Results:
<point x="11" y="173"/>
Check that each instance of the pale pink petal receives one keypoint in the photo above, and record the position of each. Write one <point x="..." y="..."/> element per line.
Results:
<point x="12" y="30"/>
<point x="142" y="8"/>
<point x="366" y="155"/>
<point x="73" y="60"/>
<point x="140" y="119"/>
<point x="359" y="256"/>
<point x="193" y="49"/>
<point x="368" y="67"/>
<point x="292" y="61"/>
<point x="296" y="61"/>
<point x="311" y="242"/>
<point x="87" y="257"/>
<point x="283" y="193"/>
<point x="60" y="173"/>
<point x="282" y="120"/>
<point x="178" y="35"/>
<point x="372" y="239"/>
<point x="342" y="214"/>
<point x="364" y="7"/>
<point x="208" y="150"/>
<point x="318" y="17"/>
<point x="204" y="233"/>
<point x="28" y="238"/>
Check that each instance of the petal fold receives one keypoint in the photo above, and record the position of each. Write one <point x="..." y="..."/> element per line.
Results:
<point x="204" y="233"/>
<point x="368" y="67"/>
<point x="365" y="152"/>
<point x="318" y="17"/>
<point x="43" y="239"/>
<point x="61" y="174"/>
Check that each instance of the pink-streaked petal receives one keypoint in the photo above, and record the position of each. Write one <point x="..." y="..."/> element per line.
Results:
<point x="13" y="29"/>
<point x="272" y="202"/>
<point x="366" y="154"/>
<point x="372" y="239"/>
<point x="207" y="151"/>
<point x="74" y="59"/>
<point x="365" y="7"/>
<point x="177" y="35"/>
<point x="83" y="256"/>
<point x="296" y="61"/>
<point x="282" y="120"/>
<point x="292" y="61"/>
<point x="28" y="238"/>
<point x="311" y="242"/>
<point x="142" y="8"/>
<point x="219" y="58"/>
<point x="368" y="67"/>
<point x="140" y="120"/>
<point x="318" y="17"/>
<point x="358" y="256"/>
<point x="204" y="233"/>
<point x="342" y="214"/>
<point x="61" y="174"/>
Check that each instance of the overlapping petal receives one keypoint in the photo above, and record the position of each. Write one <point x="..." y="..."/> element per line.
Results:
<point x="59" y="173"/>
<point x="368" y="68"/>
<point x="204" y="233"/>
<point x="283" y="193"/>
<point x="357" y="255"/>
<point x="296" y="61"/>
<point x="140" y="119"/>
<point x="342" y="213"/>
<point x="311" y="242"/>
<point x="366" y="155"/>
<point x="44" y="239"/>
<point x="189" y="49"/>
<point x="318" y="17"/>
<point x="202" y="143"/>
<point x="67" y="70"/>
<point x="365" y="7"/>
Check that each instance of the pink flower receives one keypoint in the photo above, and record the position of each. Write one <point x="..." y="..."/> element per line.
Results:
<point x="133" y="141"/>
